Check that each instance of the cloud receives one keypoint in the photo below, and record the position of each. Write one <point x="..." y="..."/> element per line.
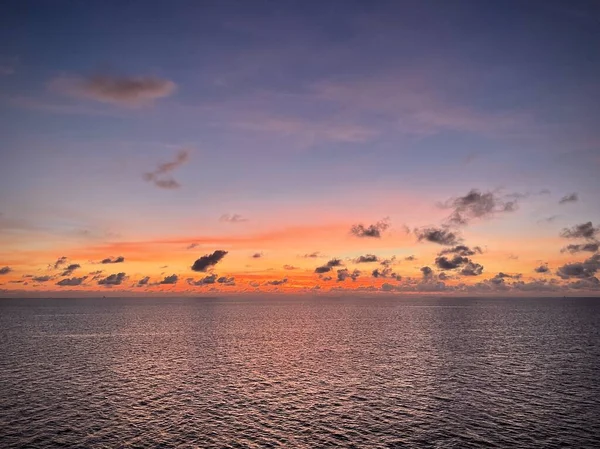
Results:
<point x="210" y="279"/>
<point x="208" y="260"/>
<point x="257" y="255"/>
<point x="373" y="231"/>
<point x="69" y="270"/>
<point x="477" y="205"/>
<point x="385" y="273"/>
<point x="427" y="272"/>
<point x="441" y="236"/>
<point x="368" y="258"/>
<point x="169" y="280"/>
<point x="543" y="268"/>
<point x="472" y="269"/>
<point x="327" y="278"/>
<point x="192" y="246"/>
<point x="278" y="282"/>
<point x="580" y="231"/>
<point x="323" y="269"/>
<point x="143" y="281"/>
<point x="344" y="274"/>
<point x="158" y="175"/>
<point x="119" y="259"/>
<point x="60" y="261"/>
<point x="335" y="263"/>
<point x="226" y="280"/>
<point x="72" y="282"/>
<point x="585" y="269"/>
<point x="113" y="279"/>
<point x="312" y="255"/>
<point x="462" y="250"/>
<point x="41" y="278"/>
<point x="232" y="218"/>
<point x="570" y="198"/>
<point x="121" y="91"/>
<point x="5" y="270"/>
<point x="410" y="258"/>
<point x="289" y="267"/>
<point x="591" y="247"/>
<point x="457" y="261"/>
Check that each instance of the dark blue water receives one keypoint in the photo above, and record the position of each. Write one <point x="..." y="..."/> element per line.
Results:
<point x="300" y="373"/>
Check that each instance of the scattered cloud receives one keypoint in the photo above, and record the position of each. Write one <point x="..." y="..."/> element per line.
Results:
<point x="5" y="270"/>
<point x="410" y="258"/>
<point x="113" y="279"/>
<point x="441" y="236"/>
<point x="472" y="269"/>
<point x="232" y="218"/>
<point x="71" y="282"/>
<point x="157" y="177"/>
<point x="257" y="255"/>
<point x="70" y="269"/>
<point x="543" y="268"/>
<point x="427" y="272"/>
<point x="581" y="231"/>
<point x="373" y="231"/>
<point x="585" y="269"/>
<point x="591" y="247"/>
<point x="121" y="91"/>
<point x="170" y="280"/>
<point x="210" y="279"/>
<point x="143" y="281"/>
<point x="367" y="258"/>
<point x="570" y="198"/>
<point x="443" y="263"/>
<point x="192" y="246"/>
<point x="226" y="280"/>
<point x="335" y="263"/>
<point x="289" y="267"/>
<point x="344" y="274"/>
<point x="323" y="269"/>
<point x="41" y="278"/>
<point x="462" y="250"/>
<point x="119" y="259"/>
<point x="312" y="255"/>
<point x="60" y="261"/>
<point x="208" y="260"/>
<point x="477" y="205"/>
<point x="278" y="282"/>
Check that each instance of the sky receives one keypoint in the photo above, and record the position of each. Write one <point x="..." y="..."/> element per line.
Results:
<point x="397" y="147"/>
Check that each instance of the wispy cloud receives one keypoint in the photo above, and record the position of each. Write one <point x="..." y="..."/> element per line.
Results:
<point x="160" y="176"/>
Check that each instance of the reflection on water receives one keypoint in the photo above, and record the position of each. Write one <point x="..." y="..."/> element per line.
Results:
<point x="300" y="373"/>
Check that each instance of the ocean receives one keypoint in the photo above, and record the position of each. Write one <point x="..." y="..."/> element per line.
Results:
<point x="300" y="372"/>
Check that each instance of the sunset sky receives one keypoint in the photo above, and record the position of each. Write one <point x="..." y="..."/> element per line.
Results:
<point x="193" y="147"/>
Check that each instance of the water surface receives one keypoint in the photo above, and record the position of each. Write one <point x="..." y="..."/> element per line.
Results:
<point x="299" y="373"/>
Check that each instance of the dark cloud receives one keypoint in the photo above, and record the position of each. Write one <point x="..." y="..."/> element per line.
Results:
<point x="210" y="279"/>
<point x="368" y="258"/>
<point x="472" y="269"/>
<point x="158" y="175"/>
<point x="461" y="250"/>
<point x="385" y="273"/>
<point x="121" y="91"/>
<point x="388" y="262"/>
<point x="444" y="263"/>
<point x="113" y="279"/>
<point x="344" y="274"/>
<point x="192" y="246"/>
<point x="144" y="281"/>
<point x="71" y="282"/>
<point x="580" y="231"/>
<point x="278" y="282"/>
<point x="119" y="259"/>
<point x="323" y="269"/>
<point x="5" y="270"/>
<point x="208" y="260"/>
<point x="41" y="278"/>
<point x="373" y="231"/>
<point x="232" y="218"/>
<point x="169" y="280"/>
<point x="477" y="205"/>
<point x="441" y="236"/>
<point x="289" y="267"/>
<point x="257" y="255"/>
<point x="226" y="280"/>
<point x="427" y="272"/>
<point x="542" y="268"/>
<point x="312" y="255"/>
<point x="570" y="198"/>
<point x="60" y="261"/>
<point x="410" y="258"/>
<point x="70" y="269"/>
<point x="327" y="278"/>
<point x="443" y="276"/>
<point x="590" y="247"/>
<point x="335" y="263"/>
<point x="585" y="269"/>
